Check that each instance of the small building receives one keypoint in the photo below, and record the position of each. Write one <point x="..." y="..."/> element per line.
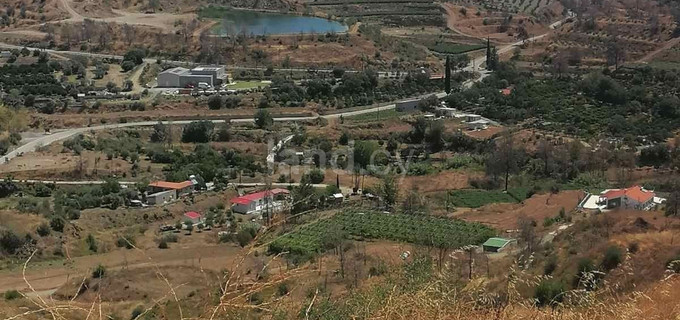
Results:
<point x="162" y="197"/>
<point x="634" y="197"/>
<point x="338" y="198"/>
<point x="179" y="188"/>
<point x="506" y="91"/>
<point x="5" y="54"/>
<point x="497" y="244"/>
<point x="275" y="200"/>
<point x="480" y="124"/>
<point x="194" y="217"/>
<point x="472" y="117"/>
<point x="410" y="105"/>
<point x="181" y="77"/>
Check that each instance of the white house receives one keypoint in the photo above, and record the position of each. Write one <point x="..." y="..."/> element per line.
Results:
<point x="274" y="200"/>
<point x="634" y="197"/>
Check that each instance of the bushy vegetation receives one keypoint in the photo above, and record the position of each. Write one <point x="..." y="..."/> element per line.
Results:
<point x="625" y="103"/>
<point x="473" y="198"/>
<point x="427" y="230"/>
<point x="549" y="293"/>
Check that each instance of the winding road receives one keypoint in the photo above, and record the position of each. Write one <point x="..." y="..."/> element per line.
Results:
<point x="473" y="66"/>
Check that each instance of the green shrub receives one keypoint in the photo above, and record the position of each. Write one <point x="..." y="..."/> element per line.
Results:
<point x="12" y="294"/>
<point x="612" y="258"/>
<point x="549" y="293"/>
<point x="282" y="289"/>
<point x="99" y="271"/>
<point x="244" y="237"/>
<point x="91" y="243"/>
<point x="316" y="176"/>
<point x="43" y="230"/>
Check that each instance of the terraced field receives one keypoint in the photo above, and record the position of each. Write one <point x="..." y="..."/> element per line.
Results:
<point x="421" y="229"/>
<point x="529" y="7"/>
<point x="387" y="12"/>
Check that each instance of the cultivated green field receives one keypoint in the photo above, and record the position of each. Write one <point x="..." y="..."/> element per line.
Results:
<point x="474" y="198"/>
<point x="421" y="229"/>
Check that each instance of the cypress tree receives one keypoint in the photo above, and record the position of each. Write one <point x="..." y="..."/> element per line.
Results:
<point x="488" y="53"/>
<point x="447" y="76"/>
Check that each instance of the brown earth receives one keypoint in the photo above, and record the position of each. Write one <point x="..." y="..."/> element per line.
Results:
<point x="471" y="25"/>
<point x="503" y="216"/>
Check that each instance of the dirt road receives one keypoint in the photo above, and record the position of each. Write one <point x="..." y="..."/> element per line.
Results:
<point x="669" y="44"/>
<point x="163" y="21"/>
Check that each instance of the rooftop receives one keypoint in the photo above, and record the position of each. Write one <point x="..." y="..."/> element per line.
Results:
<point x="248" y="198"/>
<point x="636" y="193"/>
<point x="192" y="215"/>
<point x="177" y="70"/>
<point x="497" y="242"/>
<point x="171" y="185"/>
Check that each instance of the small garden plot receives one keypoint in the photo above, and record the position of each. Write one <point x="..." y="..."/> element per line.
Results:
<point x="473" y="198"/>
<point x="420" y="229"/>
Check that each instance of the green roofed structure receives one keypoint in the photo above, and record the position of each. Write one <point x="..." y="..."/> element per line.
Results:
<point x="496" y="244"/>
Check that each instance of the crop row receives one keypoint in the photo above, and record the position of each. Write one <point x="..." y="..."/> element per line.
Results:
<point x="419" y="229"/>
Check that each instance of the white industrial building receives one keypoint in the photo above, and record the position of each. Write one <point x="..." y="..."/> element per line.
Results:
<point x="181" y="77"/>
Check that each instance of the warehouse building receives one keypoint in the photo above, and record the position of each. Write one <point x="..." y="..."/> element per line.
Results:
<point x="181" y="77"/>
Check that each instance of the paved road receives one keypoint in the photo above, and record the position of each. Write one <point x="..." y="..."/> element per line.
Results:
<point x="64" y="134"/>
<point x="67" y="133"/>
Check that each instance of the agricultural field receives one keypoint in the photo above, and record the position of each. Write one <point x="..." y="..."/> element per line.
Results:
<point x="531" y="7"/>
<point x="420" y="229"/>
<point x="474" y="198"/>
<point x="392" y="13"/>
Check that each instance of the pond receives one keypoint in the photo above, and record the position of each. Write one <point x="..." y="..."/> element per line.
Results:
<point x="234" y="21"/>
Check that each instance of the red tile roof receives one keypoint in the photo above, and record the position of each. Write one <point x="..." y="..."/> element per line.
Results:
<point x="636" y="193"/>
<point x="192" y="215"/>
<point x="506" y="91"/>
<point x="171" y="185"/>
<point x="248" y="198"/>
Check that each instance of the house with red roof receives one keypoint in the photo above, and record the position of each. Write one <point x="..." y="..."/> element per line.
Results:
<point x="258" y="202"/>
<point x="194" y="217"/>
<point x="635" y="197"/>
<point x="160" y="192"/>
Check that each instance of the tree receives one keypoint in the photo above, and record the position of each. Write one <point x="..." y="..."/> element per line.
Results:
<point x="615" y="52"/>
<point x="136" y="56"/>
<point x="263" y="119"/>
<point x="527" y="231"/>
<point x="447" y="75"/>
<point x="215" y="102"/>
<point x="57" y="224"/>
<point x="389" y="191"/>
<point x="128" y="85"/>
<point x="491" y="56"/>
<point x="304" y="197"/>
<point x="161" y="133"/>
<point x="673" y="202"/>
<point x="414" y="202"/>
<point x="505" y="159"/>
<point x="316" y="176"/>
<point x="10" y="242"/>
<point x="198" y="131"/>
<point x="344" y="139"/>
<point x="127" y="65"/>
<point x="129" y="33"/>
